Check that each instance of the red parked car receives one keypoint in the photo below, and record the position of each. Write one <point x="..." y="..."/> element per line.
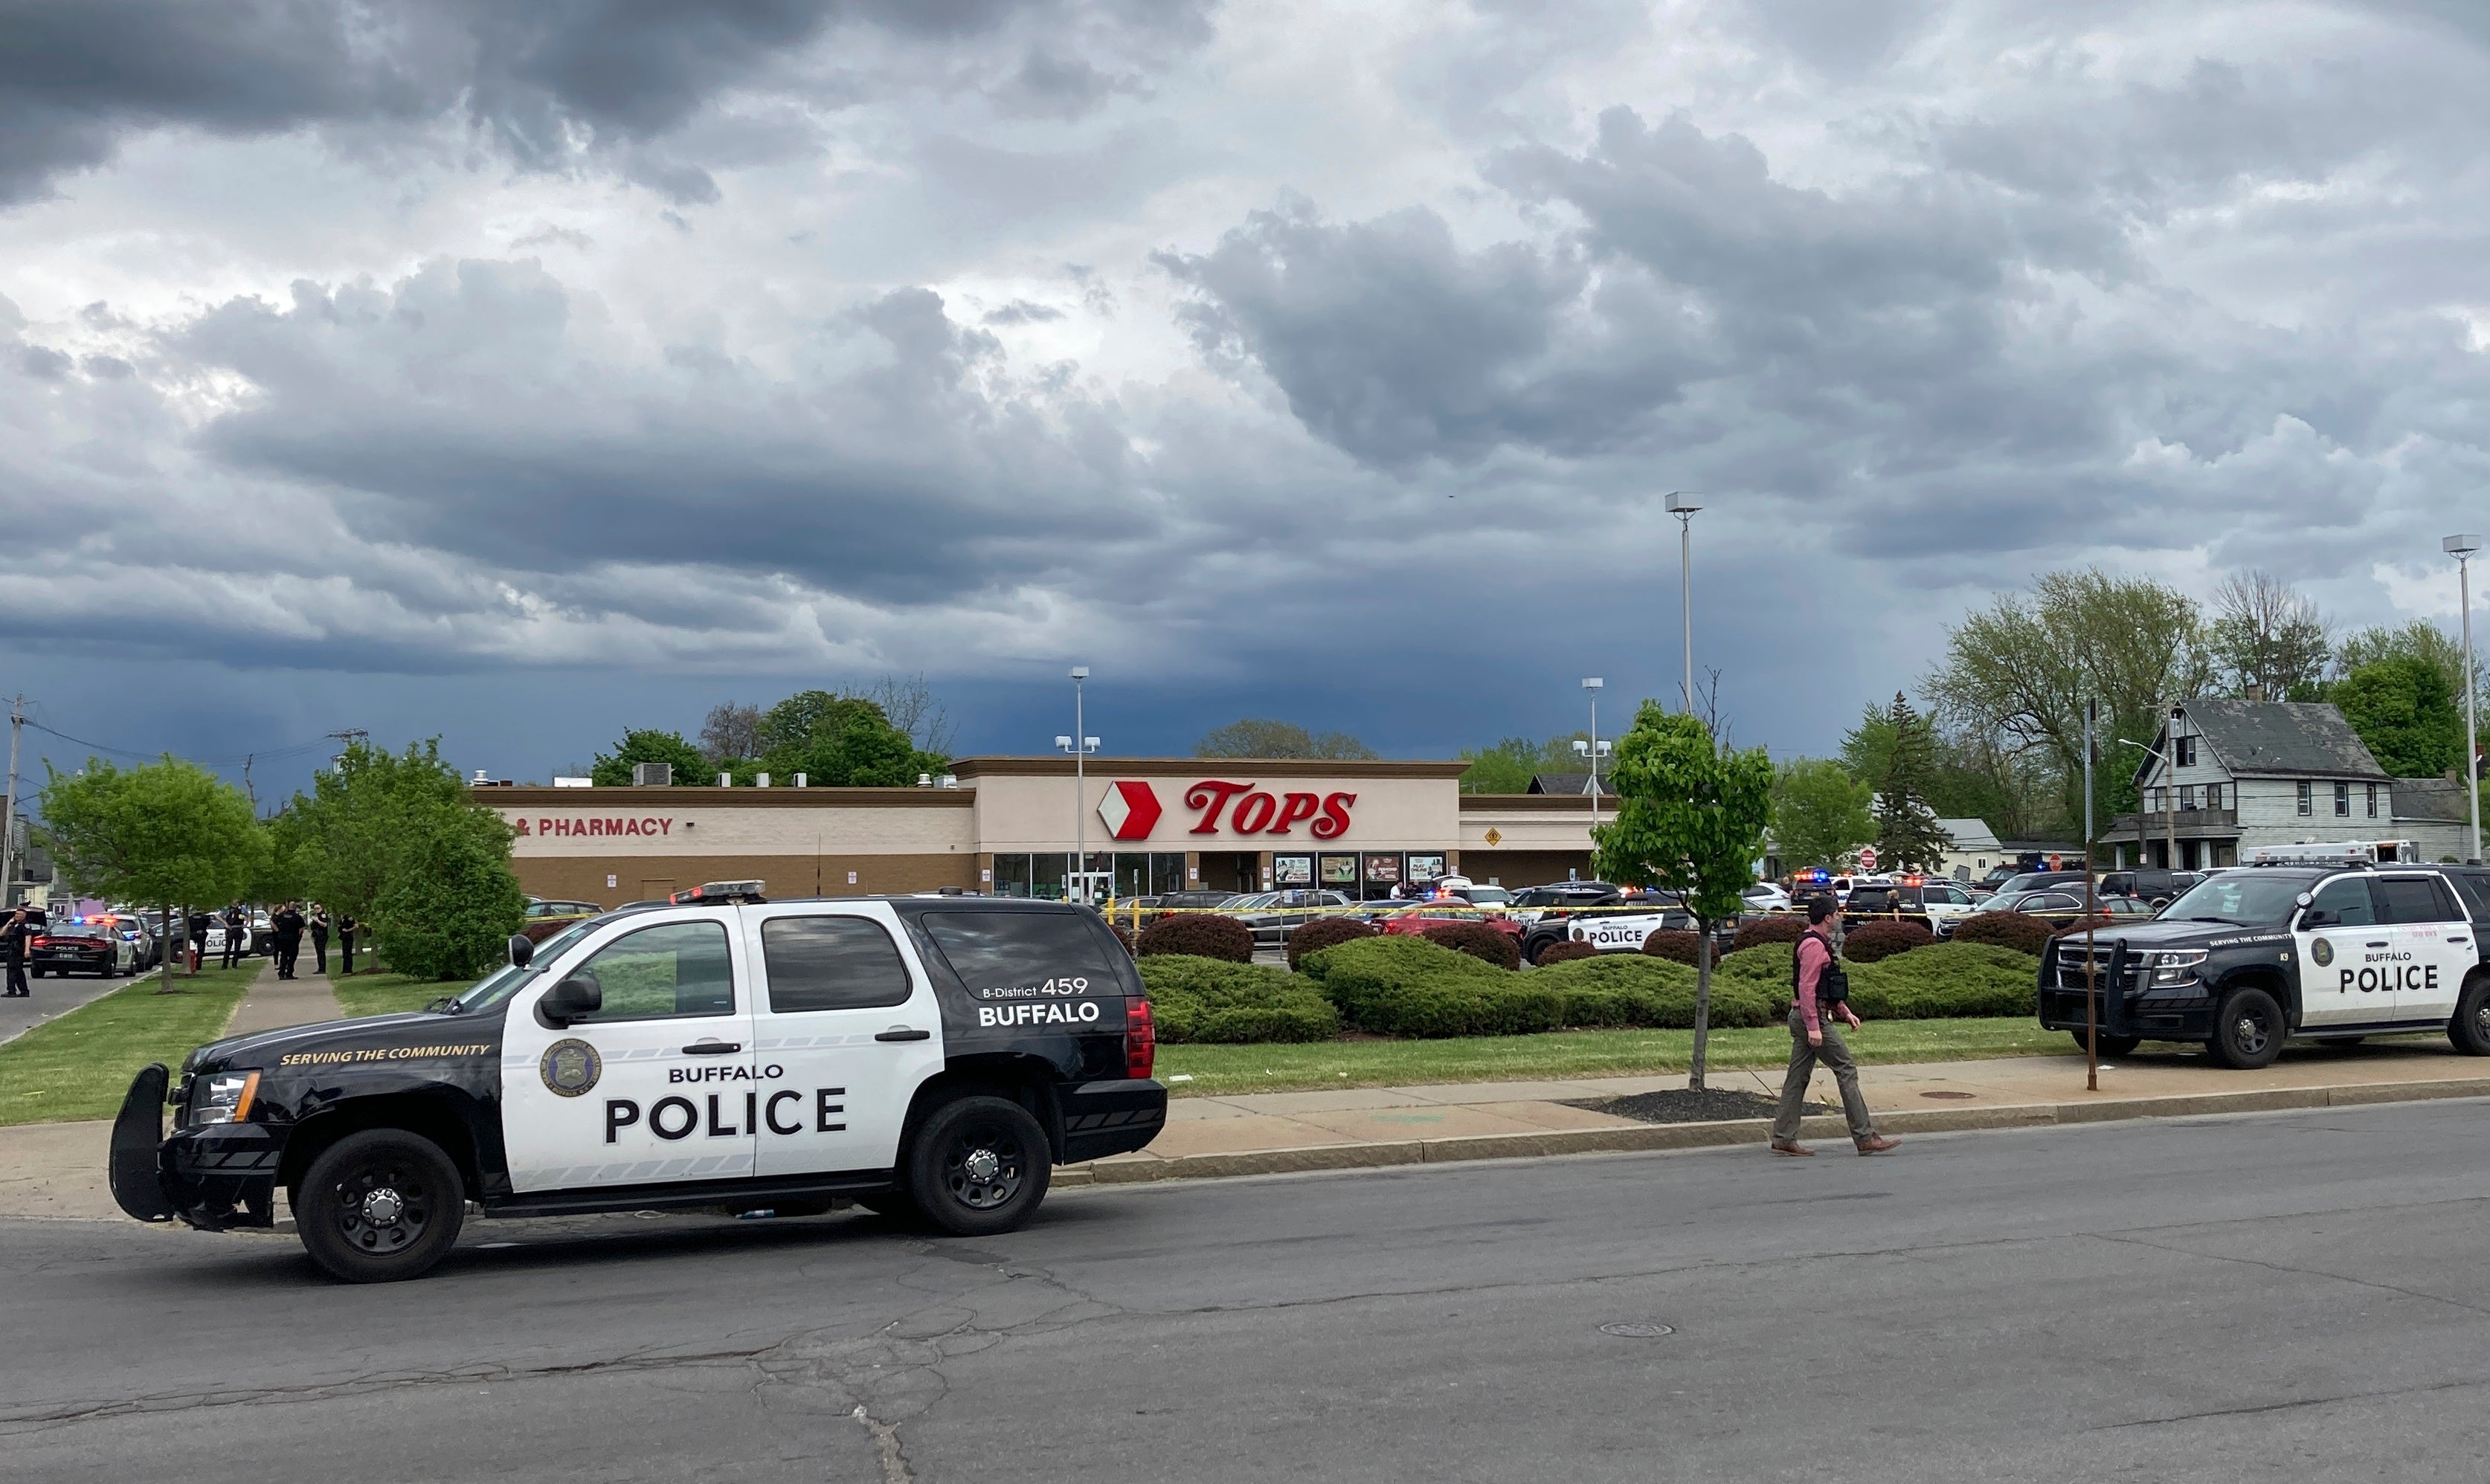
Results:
<point x="1419" y="916"/>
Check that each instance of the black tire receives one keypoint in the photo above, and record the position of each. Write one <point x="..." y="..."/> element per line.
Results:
<point x="2110" y="1045"/>
<point x="979" y="1167"/>
<point x="380" y="1205"/>
<point x="2469" y="1029"/>
<point x="2247" y="1030"/>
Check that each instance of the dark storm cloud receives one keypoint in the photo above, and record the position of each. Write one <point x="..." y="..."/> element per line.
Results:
<point x="75" y="75"/>
<point x="465" y="410"/>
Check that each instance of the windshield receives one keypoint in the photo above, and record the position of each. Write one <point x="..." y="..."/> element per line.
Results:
<point x="503" y="983"/>
<point x="2247" y="898"/>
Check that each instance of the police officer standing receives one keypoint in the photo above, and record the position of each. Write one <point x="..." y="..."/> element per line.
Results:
<point x="320" y="939"/>
<point x="237" y="933"/>
<point x="346" y="926"/>
<point x="287" y="925"/>
<point x="12" y="942"/>
<point x="199" y="925"/>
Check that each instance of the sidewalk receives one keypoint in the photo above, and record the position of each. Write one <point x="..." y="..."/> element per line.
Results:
<point x="56" y="1170"/>
<point x="274" y="1003"/>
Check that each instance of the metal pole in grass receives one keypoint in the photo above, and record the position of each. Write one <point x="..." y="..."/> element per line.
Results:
<point x="2091" y="960"/>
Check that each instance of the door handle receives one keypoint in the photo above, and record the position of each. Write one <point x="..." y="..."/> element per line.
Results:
<point x="713" y="1048"/>
<point x="902" y="1033"/>
<point x="2378" y="943"/>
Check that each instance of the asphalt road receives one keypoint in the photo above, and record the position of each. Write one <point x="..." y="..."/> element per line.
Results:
<point x="48" y="998"/>
<point x="2285" y="1297"/>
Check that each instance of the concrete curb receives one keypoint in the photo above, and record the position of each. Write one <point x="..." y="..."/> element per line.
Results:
<point x="1712" y="1136"/>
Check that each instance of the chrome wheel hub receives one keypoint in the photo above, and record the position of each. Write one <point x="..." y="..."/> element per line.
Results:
<point x="383" y="1207"/>
<point x="983" y="1166"/>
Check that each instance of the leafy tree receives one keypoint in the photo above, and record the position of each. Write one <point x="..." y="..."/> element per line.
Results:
<point x="1257" y="737"/>
<point x="1690" y="817"/>
<point x="838" y="741"/>
<point x="1907" y="832"/>
<point x="450" y="902"/>
<point x="2268" y="637"/>
<point x="2423" y="640"/>
<point x="2021" y="671"/>
<point x="165" y="834"/>
<point x="1971" y="775"/>
<point x="1509" y="765"/>
<point x="1819" y="813"/>
<point x="2405" y="709"/>
<point x="909" y="704"/>
<point x="363" y="812"/>
<point x="612" y="770"/>
<point x="281" y="875"/>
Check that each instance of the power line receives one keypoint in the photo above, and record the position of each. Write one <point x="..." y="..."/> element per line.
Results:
<point x="236" y="760"/>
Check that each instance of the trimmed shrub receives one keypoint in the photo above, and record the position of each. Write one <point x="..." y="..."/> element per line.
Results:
<point x="2018" y="930"/>
<point x="1478" y="940"/>
<point x="1941" y="981"/>
<point x="1214" y="1000"/>
<point x="1198" y="936"/>
<point x="1673" y="944"/>
<point x="1566" y="951"/>
<point x="1625" y="990"/>
<point x="1871" y="942"/>
<point x="1396" y="986"/>
<point x="1787" y="927"/>
<point x="1321" y="932"/>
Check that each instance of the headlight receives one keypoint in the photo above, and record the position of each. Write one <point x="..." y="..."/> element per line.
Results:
<point x="224" y="1099"/>
<point x="2175" y="966"/>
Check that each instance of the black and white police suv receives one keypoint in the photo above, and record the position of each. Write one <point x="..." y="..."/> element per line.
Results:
<point x="2327" y="947"/>
<point x="932" y="1057"/>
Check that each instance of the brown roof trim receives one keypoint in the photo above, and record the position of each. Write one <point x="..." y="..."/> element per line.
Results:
<point x="630" y="800"/>
<point x="1538" y="804"/>
<point x="1202" y="767"/>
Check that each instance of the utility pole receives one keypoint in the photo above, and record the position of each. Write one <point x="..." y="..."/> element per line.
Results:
<point x="2091" y="910"/>
<point x="248" y="791"/>
<point x="9" y="840"/>
<point x="1679" y="507"/>
<point x="2461" y="548"/>
<point x="1075" y="886"/>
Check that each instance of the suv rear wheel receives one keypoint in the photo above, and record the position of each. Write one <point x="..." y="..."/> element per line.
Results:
<point x="977" y="1166"/>
<point x="380" y="1205"/>
<point x="2247" y="1030"/>
<point x="2469" y="1029"/>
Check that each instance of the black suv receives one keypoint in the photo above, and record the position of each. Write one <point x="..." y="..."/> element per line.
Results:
<point x="929" y="1057"/>
<point x="2250" y="957"/>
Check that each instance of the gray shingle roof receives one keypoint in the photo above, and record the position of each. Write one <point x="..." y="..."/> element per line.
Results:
<point x="2279" y="739"/>
<point x="2439" y="800"/>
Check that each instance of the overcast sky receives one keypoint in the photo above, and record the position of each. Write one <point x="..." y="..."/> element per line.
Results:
<point x="519" y="372"/>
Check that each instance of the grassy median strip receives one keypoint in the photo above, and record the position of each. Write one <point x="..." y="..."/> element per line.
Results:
<point x="79" y="1065"/>
<point x="1283" y="1067"/>
<point x="389" y="995"/>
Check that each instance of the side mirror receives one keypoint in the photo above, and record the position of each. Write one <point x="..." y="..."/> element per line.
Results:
<point x="523" y="951"/>
<point x="573" y="999"/>
<point x="2314" y="918"/>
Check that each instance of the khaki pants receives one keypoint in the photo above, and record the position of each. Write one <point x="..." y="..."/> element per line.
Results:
<point x="1802" y="1067"/>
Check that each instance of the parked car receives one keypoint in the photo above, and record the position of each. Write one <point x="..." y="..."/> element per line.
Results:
<point x="1415" y="916"/>
<point x="2155" y="886"/>
<point x="1152" y="908"/>
<point x="1484" y="896"/>
<point x="81" y="947"/>
<point x="539" y="907"/>
<point x="2059" y="905"/>
<point x="1766" y="897"/>
<point x="2037" y="881"/>
<point x="1531" y="904"/>
<point x="1947" y="903"/>
<point x="1274" y="915"/>
<point x="1886" y="900"/>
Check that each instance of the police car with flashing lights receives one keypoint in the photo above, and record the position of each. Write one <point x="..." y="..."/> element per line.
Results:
<point x="931" y="1058"/>
<point x="2319" y="942"/>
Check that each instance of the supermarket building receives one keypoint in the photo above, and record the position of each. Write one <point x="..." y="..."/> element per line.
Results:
<point x="1006" y="825"/>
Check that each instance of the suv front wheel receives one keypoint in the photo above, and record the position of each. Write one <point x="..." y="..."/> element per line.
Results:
<point x="979" y="1165"/>
<point x="2247" y="1030"/>
<point x="380" y="1205"/>
<point x="2469" y="1029"/>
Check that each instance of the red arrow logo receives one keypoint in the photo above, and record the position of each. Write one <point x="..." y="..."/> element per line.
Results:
<point x="1130" y="809"/>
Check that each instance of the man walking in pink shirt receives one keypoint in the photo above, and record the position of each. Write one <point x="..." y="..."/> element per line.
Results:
<point x="1818" y="990"/>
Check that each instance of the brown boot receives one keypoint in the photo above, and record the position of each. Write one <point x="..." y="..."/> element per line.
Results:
<point x="1791" y="1147"/>
<point x="1877" y="1144"/>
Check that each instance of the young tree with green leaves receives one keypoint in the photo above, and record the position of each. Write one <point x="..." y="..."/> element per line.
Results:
<point x="1820" y="812"/>
<point x="2406" y="711"/>
<point x="398" y="840"/>
<point x="612" y="770"/>
<point x="1907" y="832"/>
<point x="451" y="902"/>
<point x="1691" y="818"/>
<point x="166" y="833"/>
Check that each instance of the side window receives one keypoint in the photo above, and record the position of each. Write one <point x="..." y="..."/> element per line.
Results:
<point x="663" y="973"/>
<point x="2476" y="895"/>
<point x="991" y="950"/>
<point x="2347" y="897"/>
<point x="2414" y="900"/>
<point x="831" y="963"/>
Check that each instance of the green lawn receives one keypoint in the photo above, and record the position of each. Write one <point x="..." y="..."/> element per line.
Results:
<point x="1269" y="1068"/>
<point x="388" y="994"/>
<point x="79" y="1065"/>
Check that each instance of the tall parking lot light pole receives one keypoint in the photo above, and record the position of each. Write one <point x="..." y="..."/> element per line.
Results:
<point x="1592" y="749"/>
<point x="2462" y="547"/>
<point x="1681" y="506"/>
<point x="1079" y="746"/>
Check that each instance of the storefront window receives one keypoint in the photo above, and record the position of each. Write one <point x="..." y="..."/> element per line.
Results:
<point x="1340" y="873"/>
<point x="1426" y="868"/>
<point x="1383" y="874"/>
<point x="1292" y="870"/>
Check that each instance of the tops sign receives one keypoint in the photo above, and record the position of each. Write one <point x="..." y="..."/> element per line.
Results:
<point x="1131" y="810"/>
<point x="595" y="827"/>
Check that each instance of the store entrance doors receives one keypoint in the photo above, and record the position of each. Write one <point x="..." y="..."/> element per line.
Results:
<point x="1231" y="870"/>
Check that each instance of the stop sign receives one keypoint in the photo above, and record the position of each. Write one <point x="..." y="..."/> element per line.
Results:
<point x="1866" y="857"/>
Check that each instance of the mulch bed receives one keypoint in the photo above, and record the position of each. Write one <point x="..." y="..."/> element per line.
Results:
<point x="1685" y="1106"/>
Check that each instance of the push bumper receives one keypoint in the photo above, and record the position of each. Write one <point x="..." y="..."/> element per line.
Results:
<point x="2124" y="1002"/>
<point x="215" y="1178"/>
<point x="1112" y="1118"/>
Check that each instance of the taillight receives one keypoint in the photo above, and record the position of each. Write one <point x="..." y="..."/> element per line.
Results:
<point x="1141" y="1039"/>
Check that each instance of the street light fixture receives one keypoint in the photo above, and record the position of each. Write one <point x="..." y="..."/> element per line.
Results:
<point x="1077" y="879"/>
<point x="1681" y="506"/>
<point x="1595" y="749"/>
<point x="2462" y="547"/>
<point x="2169" y="800"/>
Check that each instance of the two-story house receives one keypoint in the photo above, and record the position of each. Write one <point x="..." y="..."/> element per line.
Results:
<point x="2226" y="776"/>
